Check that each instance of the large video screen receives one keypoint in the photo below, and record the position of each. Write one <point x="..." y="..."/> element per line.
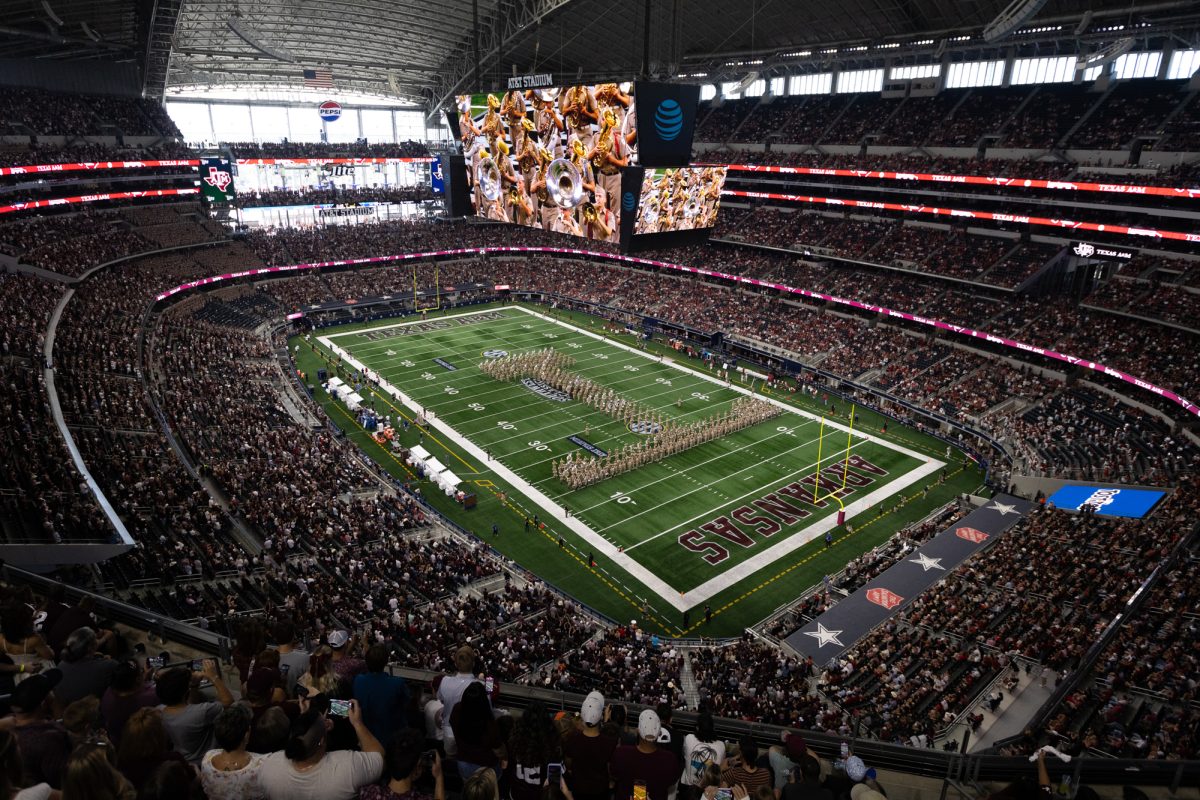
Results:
<point x="682" y="199"/>
<point x="550" y="158"/>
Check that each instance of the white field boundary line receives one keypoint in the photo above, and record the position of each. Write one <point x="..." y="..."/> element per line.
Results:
<point x="667" y="593"/>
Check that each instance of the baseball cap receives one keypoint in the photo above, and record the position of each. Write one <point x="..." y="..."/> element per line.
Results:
<point x="856" y="770"/>
<point x="338" y="639"/>
<point x="649" y="725"/>
<point x="797" y="748"/>
<point x="865" y="793"/>
<point x="593" y="709"/>
<point x="33" y="691"/>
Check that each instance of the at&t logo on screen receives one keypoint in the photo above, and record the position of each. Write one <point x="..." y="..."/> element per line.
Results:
<point x="628" y="201"/>
<point x="668" y="120"/>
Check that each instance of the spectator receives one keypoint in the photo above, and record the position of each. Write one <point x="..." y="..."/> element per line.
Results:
<point x="231" y="773"/>
<point x="131" y="689"/>
<point x="320" y="677"/>
<point x="785" y="759"/>
<point x="270" y="732"/>
<point x="82" y="720"/>
<point x="189" y="724"/>
<point x="806" y="783"/>
<point x="476" y="733"/>
<point x="406" y="763"/>
<point x="383" y="697"/>
<point x="346" y="666"/>
<point x="432" y="711"/>
<point x="25" y="646"/>
<point x="170" y="781"/>
<point x="85" y="672"/>
<point x="645" y="762"/>
<point x="90" y="775"/>
<point x="701" y="749"/>
<point x="587" y="752"/>
<point x="71" y="619"/>
<point x="250" y="639"/>
<point x="483" y="785"/>
<point x="451" y="691"/>
<point x="45" y="744"/>
<point x="745" y="771"/>
<point x="11" y="777"/>
<point x="293" y="662"/>
<point x="669" y="739"/>
<point x="305" y="771"/>
<point x="531" y="746"/>
<point x="145" y="747"/>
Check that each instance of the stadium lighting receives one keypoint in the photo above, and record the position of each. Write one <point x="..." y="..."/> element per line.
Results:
<point x="251" y="37"/>
<point x="1105" y="56"/>
<point x="1017" y="14"/>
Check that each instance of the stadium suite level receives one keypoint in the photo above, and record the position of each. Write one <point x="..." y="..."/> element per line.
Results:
<point x="712" y="526"/>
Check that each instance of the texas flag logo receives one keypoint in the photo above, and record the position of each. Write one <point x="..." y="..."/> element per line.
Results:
<point x="218" y="178"/>
<point x="971" y="534"/>
<point x="884" y="597"/>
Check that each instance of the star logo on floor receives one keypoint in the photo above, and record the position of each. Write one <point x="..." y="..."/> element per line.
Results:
<point x="1003" y="509"/>
<point x="825" y="636"/>
<point x="926" y="562"/>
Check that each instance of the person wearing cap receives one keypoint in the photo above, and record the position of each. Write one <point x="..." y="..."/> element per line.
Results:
<point x="45" y="744"/>
<point x="645" y="762"/>
<point x="190" y="724"/>
<point x="587" y="752"/>
<point x="346" y="665"/>
<point x="305" y="770"/>
<point x="451" y="691"/>
<point x="785" y="758"/>
<point x="864" y="791"/>
<point x="746" y="772"/>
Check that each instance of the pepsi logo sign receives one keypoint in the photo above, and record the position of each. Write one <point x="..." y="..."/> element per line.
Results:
<point x="884" y="597"/>
<point x="330" y="111"/>
<point x="668" y="120"/>
<point x="971" y="534"/>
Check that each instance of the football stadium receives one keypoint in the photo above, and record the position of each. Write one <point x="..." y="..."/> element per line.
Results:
<point x="529" y="400"/>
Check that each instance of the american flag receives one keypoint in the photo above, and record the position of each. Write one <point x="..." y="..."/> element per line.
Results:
<point x="318" y="79"/>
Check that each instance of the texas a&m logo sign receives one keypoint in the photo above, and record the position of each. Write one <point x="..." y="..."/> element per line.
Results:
<point x="971" y="534"/>
<point x="884" y="597"/>
<point x="216" y="180"/>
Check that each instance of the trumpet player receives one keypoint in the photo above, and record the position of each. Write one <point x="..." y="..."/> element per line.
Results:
<point x="578" y="106"/>
<point x="527" y="155"/>
<point x="512" y="110"/>
<point x="520" y="206"/>
<point x="491" y="127"/>
<point x="608" y="156"/>
<point x="600" y="222"/>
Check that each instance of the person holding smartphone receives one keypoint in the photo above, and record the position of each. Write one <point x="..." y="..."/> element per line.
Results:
<point x="645" y="771"/>
<point x="406" y="762"/>
<point x="187" y="717"/>
<point x="305" y="770"/>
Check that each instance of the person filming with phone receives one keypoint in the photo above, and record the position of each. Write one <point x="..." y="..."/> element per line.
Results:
<point x="407" y="763"/>
<point x="306" y="770"/>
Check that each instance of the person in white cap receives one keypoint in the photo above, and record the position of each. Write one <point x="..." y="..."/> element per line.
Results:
<point x="645" y="762"/>
<point x="587" y="752"/>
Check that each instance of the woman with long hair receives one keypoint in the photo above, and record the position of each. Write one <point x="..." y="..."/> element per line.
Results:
<point x="18" y="639"/>
<point x="320" y="678"/>
<point x="145" y="746"/>
<point x="90" y="775"/>
<point x="250" y="639"/>
<point x="532" y="745"/>
<point x="476" y="732"/>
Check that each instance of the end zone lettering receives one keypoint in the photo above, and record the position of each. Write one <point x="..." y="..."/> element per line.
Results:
<point x="770" y="514"/>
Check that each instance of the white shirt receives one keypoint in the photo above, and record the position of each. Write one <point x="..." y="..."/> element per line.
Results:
<point x="449" y="693"/>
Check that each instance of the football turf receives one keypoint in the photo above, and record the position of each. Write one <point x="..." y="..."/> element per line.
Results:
<point x="727" y="523"/>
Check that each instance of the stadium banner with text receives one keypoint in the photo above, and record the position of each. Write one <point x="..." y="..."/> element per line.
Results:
<point x="1018" y="219"/>
<point x="679" y="199"/>
<point x="841" y="627"/>
<point x="95" y="198"/>
<point x="666" y="115"/>
<point x="991" y="338"/>
<point x="1109" y="501"/>
<point x="216" y="180"/>
<point x="550" y="158"/>
<point x="978" y="180"/>
<point x="1100" y="252"/>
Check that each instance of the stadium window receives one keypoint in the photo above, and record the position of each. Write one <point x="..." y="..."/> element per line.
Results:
<point x="304" y="124"/>
<point x="377" y="125"/>
<point x="708" y="91"/>
<point x="820" y="83"/>
<point x="778" y="86"/>
<point x="1060" y="69"/>
<point x="729" y="90"/>
<point x="1129" y="67"/>
<point x="193" y="121"/>
<point x="916" y="71"/>
<point x="1183" y="63"/>
<point x="755" y="89"/>
<point x="231" y="123"/>
<point x="409" y="125"/>
<point x="860" y="80"/>
<point x="270" y="123"/>
<point x="975" y="73"/>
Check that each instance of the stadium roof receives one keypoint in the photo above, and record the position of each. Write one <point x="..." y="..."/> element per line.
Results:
<point x="423" y="51"/>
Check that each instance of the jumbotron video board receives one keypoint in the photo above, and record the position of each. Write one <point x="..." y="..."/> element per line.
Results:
<point x="550" y="158"/>
<point x="679" y="199"/>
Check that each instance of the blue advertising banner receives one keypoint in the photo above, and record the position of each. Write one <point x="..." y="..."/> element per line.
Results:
<point x="436" y="179"/>
<point x="840" y="628"/>
<point x="666" y="119"/>
<point x="1108" y="501"/>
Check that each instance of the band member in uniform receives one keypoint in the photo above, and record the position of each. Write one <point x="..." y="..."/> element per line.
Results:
<point x="600" y="222"/>
<point x="527" y="156"/>
<point x="519" y="204"/>
<point x="496" y="211"/>
<point x="491" y="126"/>
<point x="548" y="124"/>
<point x="508" y="175"/>
<point x="466" y="125"/>
<point x="578" y="107"/>
<point x="547" y="208"/>
<point x="479" y="155"/>
<point x="564" y="222"/>
<point x="577" y="155"/>
<point x="608" y="156"/>
<point x="512" y="110"/>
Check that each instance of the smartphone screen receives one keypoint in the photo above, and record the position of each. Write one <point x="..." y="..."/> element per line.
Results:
<point x="724" y="794"/>
<point x="198" y="665"/>
<point x="339" y="708"/>
<point x="553" y="773"/>
<point x="154" y="662"/>
<point x="639" y="791"/>
<point x="489" y="684"/>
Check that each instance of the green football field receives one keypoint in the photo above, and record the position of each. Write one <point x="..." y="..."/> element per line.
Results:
<point x="721" y="520"/>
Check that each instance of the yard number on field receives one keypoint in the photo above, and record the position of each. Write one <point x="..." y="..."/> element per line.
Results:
<point x="622" y="498"/>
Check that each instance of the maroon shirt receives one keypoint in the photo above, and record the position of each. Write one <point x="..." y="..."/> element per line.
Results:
<point x="589" y="756"/>
<point x="659" y="770"/>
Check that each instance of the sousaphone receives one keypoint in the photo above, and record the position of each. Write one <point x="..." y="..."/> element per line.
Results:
<point x="564" y="183"/>
<point x="488" y="177"/>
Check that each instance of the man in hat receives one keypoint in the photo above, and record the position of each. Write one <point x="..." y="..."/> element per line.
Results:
<point x="785" y="758"/>
<point x="345" y="665"/>
<point x="44" y="743"/>
<point x="587" y="752"/>
<point x="645" y="762"/>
